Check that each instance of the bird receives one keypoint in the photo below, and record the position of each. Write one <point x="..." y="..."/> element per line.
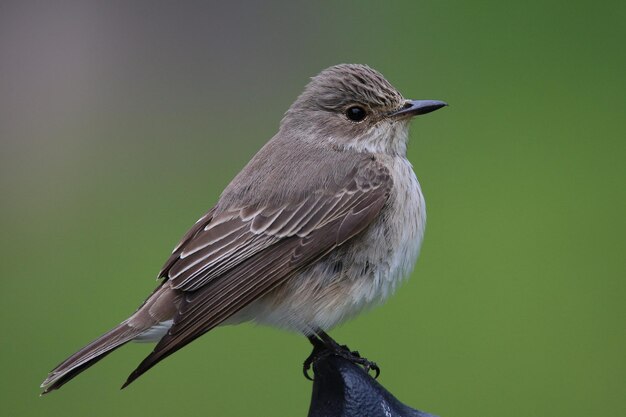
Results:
<point x="324" y="222"/>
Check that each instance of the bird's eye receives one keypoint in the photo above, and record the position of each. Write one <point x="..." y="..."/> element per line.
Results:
<point x="356" y="113"/>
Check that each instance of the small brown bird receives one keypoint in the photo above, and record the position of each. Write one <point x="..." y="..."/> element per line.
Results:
<point x="324" y="222"/>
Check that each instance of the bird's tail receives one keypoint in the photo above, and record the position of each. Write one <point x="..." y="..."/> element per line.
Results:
<point x="89" y="355"/>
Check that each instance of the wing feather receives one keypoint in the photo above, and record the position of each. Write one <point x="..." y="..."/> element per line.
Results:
<point x="261" y="249"/>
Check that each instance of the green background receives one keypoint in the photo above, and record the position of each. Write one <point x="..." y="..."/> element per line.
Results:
<point x="121" y="123"/>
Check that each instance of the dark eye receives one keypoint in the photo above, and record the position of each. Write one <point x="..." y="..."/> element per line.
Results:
<point x="356" y="113"/>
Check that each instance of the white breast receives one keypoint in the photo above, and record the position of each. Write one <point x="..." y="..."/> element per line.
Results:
<point x="359" y="274"/>
<point x="410" y="211"/>
<point x="395" y="240"/>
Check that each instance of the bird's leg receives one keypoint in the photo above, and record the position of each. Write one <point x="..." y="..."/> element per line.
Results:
<point x="324" y="345"/>
<point x="319" y="350"/>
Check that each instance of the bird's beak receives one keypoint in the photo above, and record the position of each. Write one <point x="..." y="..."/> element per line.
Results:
<point x="417" y="107"/>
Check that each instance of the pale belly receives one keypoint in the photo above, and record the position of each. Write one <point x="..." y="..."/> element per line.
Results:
<point x="360" y="274"/>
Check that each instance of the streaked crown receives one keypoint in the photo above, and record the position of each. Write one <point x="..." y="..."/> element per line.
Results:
<point x="342" y="85"/>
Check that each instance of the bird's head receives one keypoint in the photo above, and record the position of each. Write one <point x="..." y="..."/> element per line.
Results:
<point x="354" y="106"/>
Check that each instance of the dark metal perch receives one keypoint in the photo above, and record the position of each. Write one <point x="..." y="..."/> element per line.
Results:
<point x="343" y="389"/>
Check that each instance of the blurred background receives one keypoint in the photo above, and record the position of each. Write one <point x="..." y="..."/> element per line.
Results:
<point x="121" y="122"/>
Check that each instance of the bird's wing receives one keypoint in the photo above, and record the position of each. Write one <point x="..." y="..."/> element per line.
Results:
<point x="229" y="260"/>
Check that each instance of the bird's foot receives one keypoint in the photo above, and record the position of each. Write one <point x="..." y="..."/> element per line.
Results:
<point x="324" y="345"/>
<point x="319" y="351"/>
<point x="355" y="357"/>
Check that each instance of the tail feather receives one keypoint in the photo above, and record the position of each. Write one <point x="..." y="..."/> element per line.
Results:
<point x="89" y="355"/>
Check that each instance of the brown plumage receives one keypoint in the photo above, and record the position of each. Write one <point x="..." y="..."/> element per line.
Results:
<point x="303" y="226"/>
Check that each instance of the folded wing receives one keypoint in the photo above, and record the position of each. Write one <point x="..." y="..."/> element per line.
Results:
<point x="229" y="259"/>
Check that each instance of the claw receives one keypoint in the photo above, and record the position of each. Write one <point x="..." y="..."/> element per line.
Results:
<point x="305" y="371"/>
<point x="319" y="350"/>
<point x="371" y="366"/>
<point x="324" y="345"/>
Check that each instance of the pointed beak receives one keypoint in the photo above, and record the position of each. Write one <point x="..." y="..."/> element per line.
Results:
<point x="417" y="107"/>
